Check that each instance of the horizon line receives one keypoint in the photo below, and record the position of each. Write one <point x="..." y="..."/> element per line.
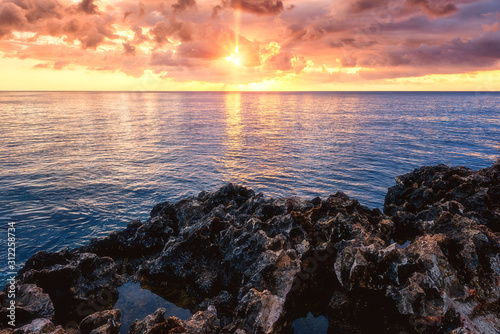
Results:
<point x="249" y="91"/>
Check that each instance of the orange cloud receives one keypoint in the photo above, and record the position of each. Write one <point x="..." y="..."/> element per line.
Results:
<point x="310" y="41"/>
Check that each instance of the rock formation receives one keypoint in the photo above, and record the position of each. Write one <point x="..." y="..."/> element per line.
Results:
<point x="248" y="264"/>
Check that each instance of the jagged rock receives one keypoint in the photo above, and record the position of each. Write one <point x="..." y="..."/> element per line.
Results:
<point x="248" y="264"/>
<point x="157" y="323"/>
<point x="42" y="326"/>
<point x="202" y="322"/>
<point x="33" y="300"/>
<point x="31" y="303"/>
<point x="101" y="322"/>
<point x="78" y="283"/>
<point x="423" y="195"/>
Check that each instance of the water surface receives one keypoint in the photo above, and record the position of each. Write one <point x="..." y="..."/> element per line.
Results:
<point x="78" y="165"/>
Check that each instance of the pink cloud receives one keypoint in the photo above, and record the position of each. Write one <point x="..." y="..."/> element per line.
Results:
<point x="181" y="38"/>
<point x="492" y="27"/>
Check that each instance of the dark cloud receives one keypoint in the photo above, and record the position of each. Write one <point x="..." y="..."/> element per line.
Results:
<point x="139" y="37"/>
<point x="163" y="30"/>
<point x="434" y="8"/>
<point x="60" y="64"/>
<point x="335" y="44"/>
<point x="429" y="7"/>
<point x="183" y="4"/>
<point x="482" y="51"/>
<point x="163" y="58"/>
<point x="142" y="10"/>
<point x="49" y="17"/>
<point x="129" y="50"/>
<point x="282" y="61"/>
<point x="92" y="39"/>
<point x="42" y="65"/>
<point x="362" y="5"/>
<point x="349" y="62"/>
<point x="202" y="49"/>
<point x="127" y="14"/>
<point x="11" y="18"/>
<point x="35" y="10"/>
<point x="259" y="7"/>
<point x="88" y="6"/>
<point x="22" y="15"/>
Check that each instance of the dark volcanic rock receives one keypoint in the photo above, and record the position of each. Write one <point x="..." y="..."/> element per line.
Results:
<point x="39" y="326"/>
<point x="246" y="264"/>
<point x="31" y="303"/>
<point x="424" y="194"/>
<point x="101" y="322"/>
<point x="78" y="283"/>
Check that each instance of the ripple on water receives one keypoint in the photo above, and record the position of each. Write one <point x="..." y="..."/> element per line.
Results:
<point x="80" y="165"/>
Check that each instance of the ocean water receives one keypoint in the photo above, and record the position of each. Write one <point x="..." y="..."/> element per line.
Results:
<point x="78" y="165"/>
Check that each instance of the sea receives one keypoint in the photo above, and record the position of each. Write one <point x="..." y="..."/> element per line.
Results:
<point x="78" y="165"/>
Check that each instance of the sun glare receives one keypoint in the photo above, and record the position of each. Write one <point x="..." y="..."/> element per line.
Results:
<point x="235" y="57"/>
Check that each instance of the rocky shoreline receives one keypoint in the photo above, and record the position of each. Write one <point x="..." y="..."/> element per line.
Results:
<point x="243" y="263"/>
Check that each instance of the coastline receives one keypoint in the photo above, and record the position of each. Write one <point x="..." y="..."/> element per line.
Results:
<point x="247" y="264"/>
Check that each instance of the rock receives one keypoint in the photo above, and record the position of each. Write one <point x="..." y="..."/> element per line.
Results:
<point x="33" y="300"/>
<point x="31" y="303"/>
<point x="101" y="322"/>
<point x="78" y="283"/>
<point x="157" y="323"/>
<point x="243" y="263"/>
<point x="202" y="322"/>
<point x="424" y="194"/>
<point x="39" y="326"/>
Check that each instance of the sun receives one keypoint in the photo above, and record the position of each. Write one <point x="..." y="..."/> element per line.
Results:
<point x="235" y="57"/>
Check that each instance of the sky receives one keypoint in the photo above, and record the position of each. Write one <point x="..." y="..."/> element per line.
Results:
<point x="256" y="45"/>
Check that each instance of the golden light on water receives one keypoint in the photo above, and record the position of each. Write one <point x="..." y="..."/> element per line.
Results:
<point x="234" y="129"/>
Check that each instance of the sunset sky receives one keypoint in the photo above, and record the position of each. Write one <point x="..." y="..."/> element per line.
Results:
<point x="250" y="45"/>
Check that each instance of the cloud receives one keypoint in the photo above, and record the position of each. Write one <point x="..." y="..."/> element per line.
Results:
<point x="57" y="65"/>
<point x="91" y="39"/>
<point x="60" y="64"/>
<point x="258" y="7"/>
<point x="139" y="37"/>
<point x="87" y="6"/>
<point x="479" y="52"/>
<point x="362" y="5"/>
<point x="128" y="49"/>
<point x="349" y="62"/>
<point x="163" y="58"/>
<point x="180" y="38"/>
<point x="127" y="14"/>
<point x="11" y="17"/>
<point x="35" y="10"/>
<point x="183" y="4"/>
<point x="162" y="31"/>
<point x="50" y="18"/>
<point x="434" y="8"/>
<point x="203" y="49"/>
<point x="281" y="61"/>
<point x="491" y="28"/>
<point x="42" y="65"/>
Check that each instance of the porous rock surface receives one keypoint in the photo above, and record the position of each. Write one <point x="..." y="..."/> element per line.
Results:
<point x="248" y="264"/>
